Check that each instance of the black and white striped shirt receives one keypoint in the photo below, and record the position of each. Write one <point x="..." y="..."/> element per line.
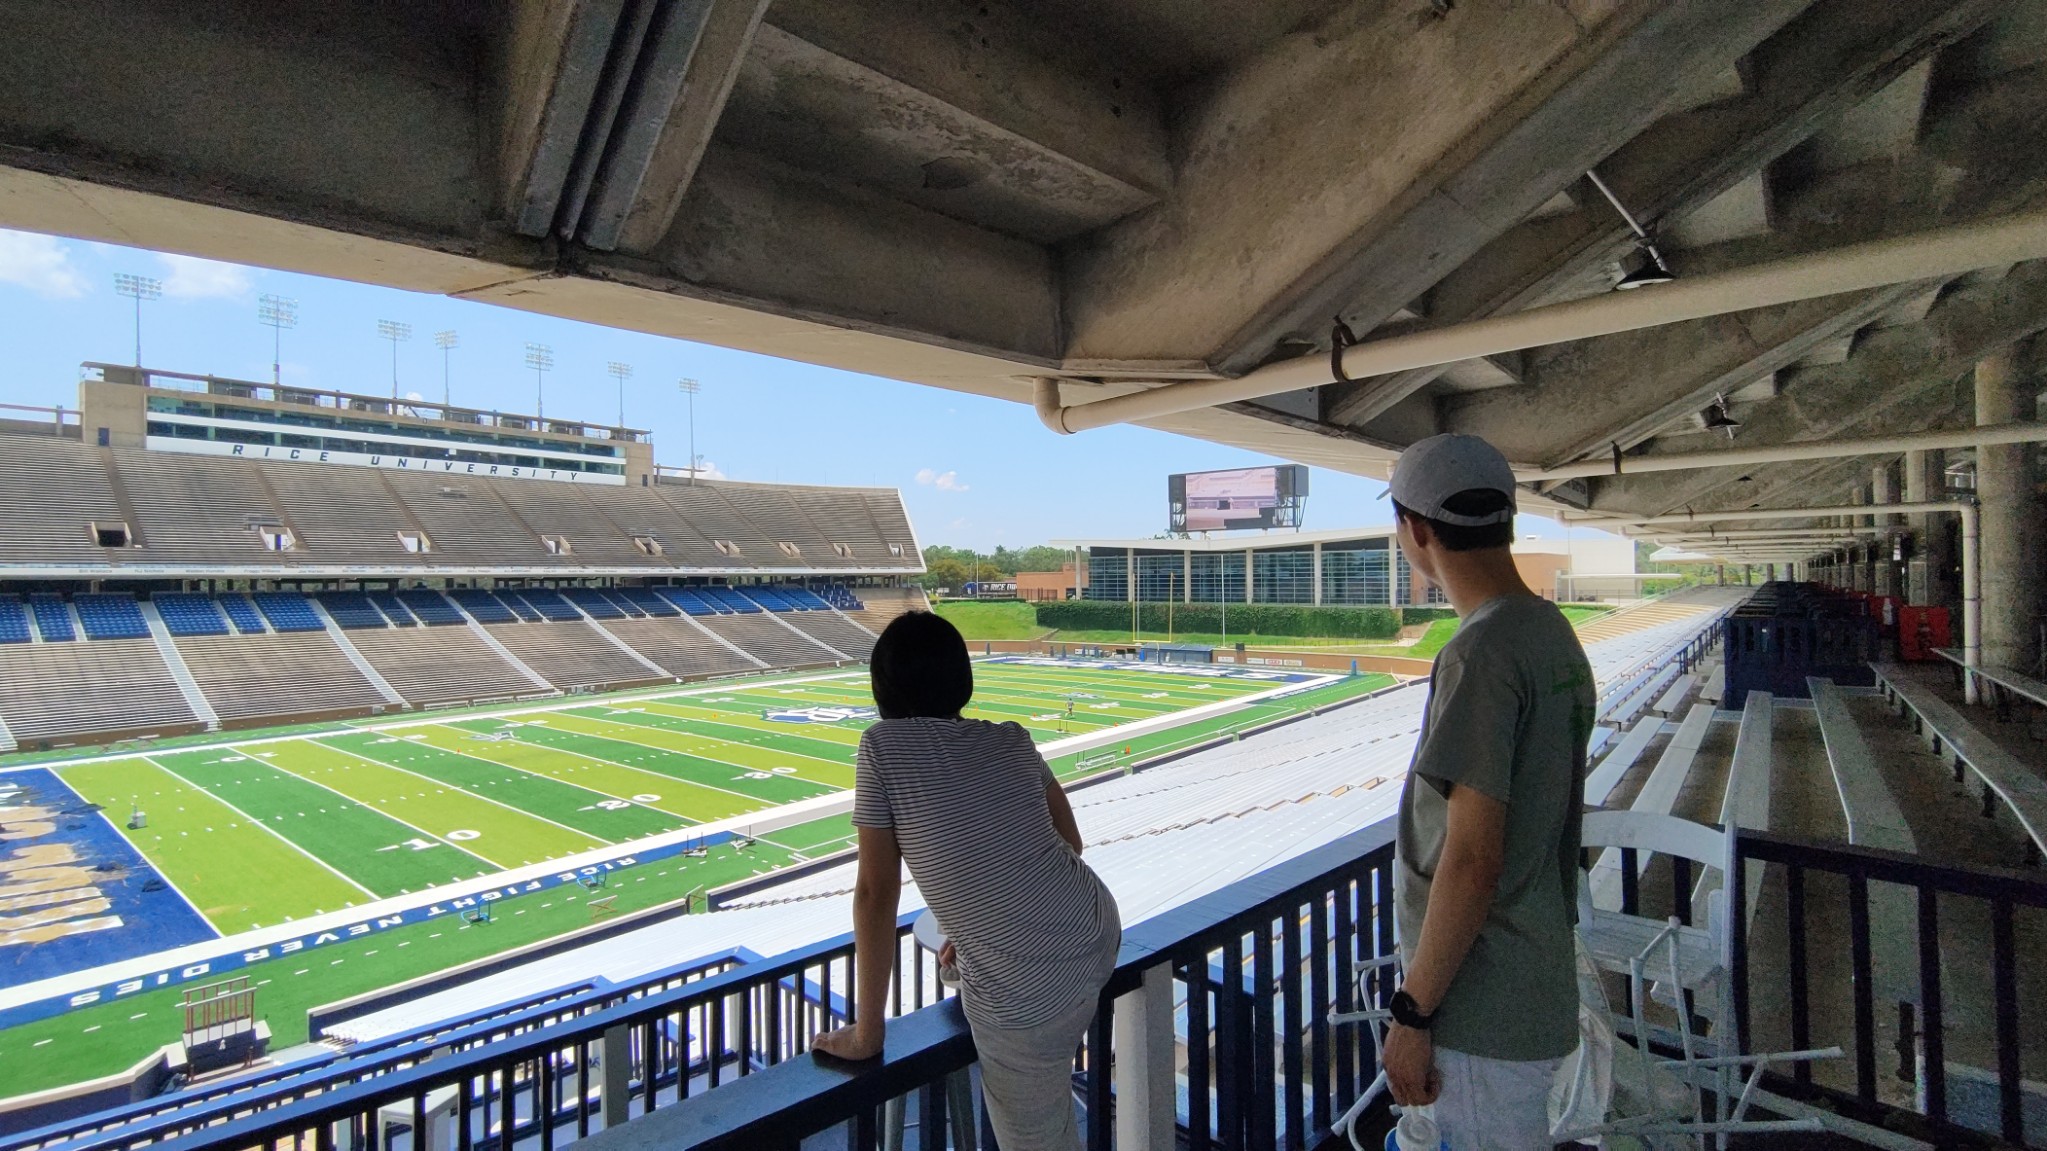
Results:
<point x="966" y="799"/>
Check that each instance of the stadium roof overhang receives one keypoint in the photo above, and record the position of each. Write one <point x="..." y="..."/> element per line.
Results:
<point x="1127" y="196"/>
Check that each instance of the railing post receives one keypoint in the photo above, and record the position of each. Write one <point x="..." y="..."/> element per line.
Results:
<point x="1146" y="1110"/>
<point x="616" y="1062"/>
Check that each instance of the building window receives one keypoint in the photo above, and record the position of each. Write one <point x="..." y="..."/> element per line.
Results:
<point x="1283" y="576"/>
<point x="1357" y="574"/>
<point x="1218" y="577"/>
<point x="1161" y="577"/>
<point x="1107" y="577"/>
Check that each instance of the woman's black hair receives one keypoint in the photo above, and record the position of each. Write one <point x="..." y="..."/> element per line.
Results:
<point x="920" y="668"/>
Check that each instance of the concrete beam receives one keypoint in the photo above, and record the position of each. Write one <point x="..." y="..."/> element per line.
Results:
<point x="1624" y="388"/>
<point x="1820" y="66"/>
<point x="1281" y="218"/>
<point x="685" y="73"/>
<point x="550" y="60"/>
<point x="1887" y="371"/>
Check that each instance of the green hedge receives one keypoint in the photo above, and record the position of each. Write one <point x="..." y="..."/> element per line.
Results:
<point x="1410" y="615"/>
<point x="1262" y="619"/>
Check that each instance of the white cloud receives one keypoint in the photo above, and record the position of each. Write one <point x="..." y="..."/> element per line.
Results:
<point x="42" y="264"/>
<point x="191" y="278"/>
<point x="943" y="481"/>
<point x="706" y="469"/>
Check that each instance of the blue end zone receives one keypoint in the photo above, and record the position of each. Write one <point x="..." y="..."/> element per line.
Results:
<point x="73" y="893"/>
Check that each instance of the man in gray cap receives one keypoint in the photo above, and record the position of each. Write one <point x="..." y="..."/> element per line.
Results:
<point x="1485" y="875"/>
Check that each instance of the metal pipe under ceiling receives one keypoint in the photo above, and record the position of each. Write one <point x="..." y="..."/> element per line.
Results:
<point x="1930" y="255"/>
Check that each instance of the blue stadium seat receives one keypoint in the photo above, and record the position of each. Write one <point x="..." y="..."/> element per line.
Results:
<point x="730" y="600"/>
<point x="185" y="614"/>
<point x="393" y="609"/>
<point x="647" y="601"/>
<point x="550" y="604"/>
<point x="51" y="617"/>
<point x="111" y="616"/>
<point x="841" y="597"/>
<point x="767" y="597"/>
<point x="485" y="607"/>
<point x="242" y="614"/>
<point x="351" y="609"/>
<point x="623" y="602"/>
<point x="805" y="600"/>
<point x="288" y="611"/>
<point x="688" y="600"/>
<point x="430" y="606"/>
<point x="594" y="603"/>
<point x="13" y="620"/>
<point x="517" y="602"/>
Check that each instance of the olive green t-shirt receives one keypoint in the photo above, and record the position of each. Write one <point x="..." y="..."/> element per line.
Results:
<point x="1511" y="705"/>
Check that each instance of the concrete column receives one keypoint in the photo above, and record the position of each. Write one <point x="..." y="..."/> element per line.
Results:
<point x="1249" y="585"/>
<point x="2012" y="550"/>
<point x="1146" y="1114"/>
<point x="1883" y="489"/>
<point x="1130" y="573"/>
<point x="1315" y="574"/>
<point x="1187" y="576"/>
<point x="1930" y="579"/>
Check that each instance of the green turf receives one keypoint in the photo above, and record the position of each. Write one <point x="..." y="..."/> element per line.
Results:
<point x="981" y="621"/>
<point x="239" y="875"/>
<point x="742" y="787"/>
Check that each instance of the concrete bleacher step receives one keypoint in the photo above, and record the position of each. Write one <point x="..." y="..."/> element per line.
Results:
<point x="1658" y="796"/>
<point x="777" y="617"/>
<point x="1949" y="733"/>
<point x="362" y="664"/>
<point x="1601" y="781"/>
<point x="7" y="738"/>
<point x="1874" y="820"/>
<point x="483" y="633"/>
<point x="180" y="674"/>
<point x="1666" y="705"/>
<point x="597" y="626"/>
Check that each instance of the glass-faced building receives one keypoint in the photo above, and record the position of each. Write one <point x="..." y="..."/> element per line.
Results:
<point x="1358" y="567"/>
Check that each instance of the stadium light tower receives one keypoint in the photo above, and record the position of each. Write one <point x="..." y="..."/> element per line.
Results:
<point x="620" y="372"/>
<point x="138" y="288"/>
<point x="690" y="388"/>
<point x="397" y="333"/>
<point x="277" y="313"/>
<point x="540" y="358"/>
<point x="446" y="342"/>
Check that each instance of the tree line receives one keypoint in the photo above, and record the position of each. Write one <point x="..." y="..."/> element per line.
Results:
<point x="956" y="567"/>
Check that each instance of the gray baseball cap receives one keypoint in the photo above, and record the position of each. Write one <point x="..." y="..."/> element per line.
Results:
<point x="1430" y="471"/>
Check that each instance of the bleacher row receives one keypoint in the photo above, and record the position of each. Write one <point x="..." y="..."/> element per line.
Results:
<point x="196" y="510"/>
<point x="267" y="656"/>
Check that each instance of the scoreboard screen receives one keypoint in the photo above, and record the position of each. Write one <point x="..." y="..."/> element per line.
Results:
<point x="1264" y="497"/>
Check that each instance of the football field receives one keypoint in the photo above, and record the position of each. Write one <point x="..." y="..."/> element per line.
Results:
<point x="259" y="832"/>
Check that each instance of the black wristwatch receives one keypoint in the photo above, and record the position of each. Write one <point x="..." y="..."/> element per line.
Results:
<point x="1408" y="1013"/>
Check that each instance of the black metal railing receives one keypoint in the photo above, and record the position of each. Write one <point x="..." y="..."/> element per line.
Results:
<point x="1256" y="969"/>
<point x="1926" y="1032"/>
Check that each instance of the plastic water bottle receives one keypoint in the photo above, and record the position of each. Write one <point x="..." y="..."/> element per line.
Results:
<point x="1416" y="1131"/>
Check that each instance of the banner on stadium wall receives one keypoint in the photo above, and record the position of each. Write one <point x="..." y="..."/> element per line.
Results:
<point x="379" y="460"/>
<point x="208" y="970"/>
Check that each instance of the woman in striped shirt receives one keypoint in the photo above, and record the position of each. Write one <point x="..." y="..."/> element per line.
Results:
<point x="991" y="842"/>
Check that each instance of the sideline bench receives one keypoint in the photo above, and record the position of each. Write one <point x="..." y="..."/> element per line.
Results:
<point x="1952" y="736"/>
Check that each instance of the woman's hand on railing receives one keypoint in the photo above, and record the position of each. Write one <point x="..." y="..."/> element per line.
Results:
<point x="860" y="1041"/>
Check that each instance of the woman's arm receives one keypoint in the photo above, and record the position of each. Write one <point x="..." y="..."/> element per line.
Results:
<point x="876" y="896"/>
<point x="1062" y="815"/>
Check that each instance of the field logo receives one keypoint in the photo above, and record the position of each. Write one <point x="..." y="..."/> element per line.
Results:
<point x="48" y="891"/>
<point x="818" y="714"/>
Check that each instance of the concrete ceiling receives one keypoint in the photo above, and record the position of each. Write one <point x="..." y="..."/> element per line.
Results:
<point x="1117" y="193"/>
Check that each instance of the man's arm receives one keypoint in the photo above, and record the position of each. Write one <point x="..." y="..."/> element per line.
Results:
<point x="1460" y="898"/>
<point x="877" y="894"/>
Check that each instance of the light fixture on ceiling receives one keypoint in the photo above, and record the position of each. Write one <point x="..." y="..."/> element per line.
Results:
<point x="1653" y="269"/>
<point x="1718" y="419"/>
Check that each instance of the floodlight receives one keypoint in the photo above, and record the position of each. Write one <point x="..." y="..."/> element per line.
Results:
<point x="138" y="288"/>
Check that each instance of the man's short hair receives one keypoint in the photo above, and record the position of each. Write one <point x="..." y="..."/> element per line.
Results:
<point x="1458" y="537"/>
<point x="920" y="668"/>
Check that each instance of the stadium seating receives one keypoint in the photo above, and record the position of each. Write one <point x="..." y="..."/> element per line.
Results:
<point x="624" y="603"/>
<point x="200" y="508"/>
<point x="392" y="608"/>
<point x="646" y="601"/>
<point x="57" y="691"/>
<point x="440" y="665"/>
<point x="769" y="597"/>
<point x="689" y="600"/>
<point x="463" y="515"/>
<point x="288" y="611"/>
<point x="430" y="606"/>
<point x="803" y="599"/>
<point x="243" y="614"/>
<point x="834" y="630"/>
<point x="571" y="655"/>
<point x="885" y="604"/>
<point x="352" y="609"/>
<point x="482" y="606"/>
<point x="518" y="605"/>
<point x="190" y="614"/>
<point x="111" y="617"/>
<point x="54" y="491"/>
<point x="594" y="603"/>
<point x="572" y="513"/>
<point x="768" y="640"/>
<point x="681" y="647"/>
<point x="53" y="617"/>
<point x="298" y="673"/>
<point x="730" y="600"/>
<point x="838" y="596"/>
<point x="13" y="620"/>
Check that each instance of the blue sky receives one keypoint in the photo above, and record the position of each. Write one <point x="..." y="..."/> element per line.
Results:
<point x="975" y="472"/>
